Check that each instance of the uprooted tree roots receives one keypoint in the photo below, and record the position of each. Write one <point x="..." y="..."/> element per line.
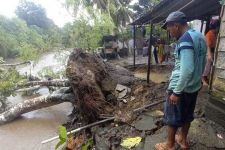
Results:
<point x="92" y="80"/>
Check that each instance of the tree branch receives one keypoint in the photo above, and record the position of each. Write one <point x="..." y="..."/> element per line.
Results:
<point x="58" y="83"/>
<point x="17" y="64"/>
<point x="57" y="97"/>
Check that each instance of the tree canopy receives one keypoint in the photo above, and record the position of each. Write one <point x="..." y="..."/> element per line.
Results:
<point x="27" y="42"/>
<point x="142" y="6"/>
<point x="118" y="10"/>
<point x="33" y="14"/>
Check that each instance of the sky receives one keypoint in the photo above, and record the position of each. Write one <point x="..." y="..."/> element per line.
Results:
<point x="54" y="10"/>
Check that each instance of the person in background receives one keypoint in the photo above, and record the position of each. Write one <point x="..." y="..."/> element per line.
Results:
<point x="167" y="50"/>
<point x="155" y="53"/>
<point x="131" y="46"/>
<point x="155" y="50"/>
<point x="211" y="36"/>
<point x="185" y="80"/>
<point x="139" y="45"/>
<point x="145" y="49"/>
<point x="161" y="52"/>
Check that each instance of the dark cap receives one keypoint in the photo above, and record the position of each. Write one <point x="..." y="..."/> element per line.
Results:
<point x="175" y="17"/>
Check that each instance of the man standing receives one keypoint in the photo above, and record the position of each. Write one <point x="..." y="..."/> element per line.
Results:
<point x="185" y="81"/>
<point x="211" y="36"/>
<point x="131" y="46"/>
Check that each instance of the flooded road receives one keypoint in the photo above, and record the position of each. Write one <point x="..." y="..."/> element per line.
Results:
<point x="27" y="132"/>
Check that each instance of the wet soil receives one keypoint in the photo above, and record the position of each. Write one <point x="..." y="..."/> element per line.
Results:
<point x="204" y="134"/>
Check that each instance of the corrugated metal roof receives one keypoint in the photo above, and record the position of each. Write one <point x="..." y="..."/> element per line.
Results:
<point x="194" y="9"/>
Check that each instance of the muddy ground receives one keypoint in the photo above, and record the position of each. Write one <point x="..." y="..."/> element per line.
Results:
<point x="203" y="135"/>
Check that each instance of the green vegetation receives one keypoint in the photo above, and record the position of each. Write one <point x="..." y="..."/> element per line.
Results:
<point x="48" y="72"/>
<point x="27" y="36"/>
<point x="87" y="35"/>
<point x="89" y="145"/>
<point x="142" y="6"/>
<point x="31" y="33"/>
<point x="33" y="15"/>
<point x="64" y="139"/>
<point x="62" y="136"/>
<point x="8" y="79"/>
<point x="119" y="14"/>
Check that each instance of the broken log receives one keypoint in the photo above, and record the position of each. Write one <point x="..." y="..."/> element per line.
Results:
<point x="55" y="82"/>
<point x="30" y="89"/>
<point x="16" y="64"/>
<point x="92" y="80"/>
<point x="57" y="97"/>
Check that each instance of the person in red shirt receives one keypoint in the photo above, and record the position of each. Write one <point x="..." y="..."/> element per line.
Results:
<point x="211" y="36"/>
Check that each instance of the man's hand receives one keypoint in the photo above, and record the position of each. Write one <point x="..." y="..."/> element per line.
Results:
<point x="210" y="57"/>
<point x="174" y="99"/>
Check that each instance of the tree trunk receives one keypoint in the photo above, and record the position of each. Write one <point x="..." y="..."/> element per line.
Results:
<point x="57" y="97"/>
<point x="59" y="83"/>
<point x="17" y="64"/>
<point x="29" y="89"/>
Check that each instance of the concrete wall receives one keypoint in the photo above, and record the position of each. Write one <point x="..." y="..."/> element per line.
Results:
<point x="218" y="80"/>
<point x="215" y="107"/>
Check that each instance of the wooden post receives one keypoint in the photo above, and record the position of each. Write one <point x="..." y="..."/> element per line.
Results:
<point x="207" y="25"/>
<point x="134" y="46"/>
<point x="202" y="23"/>
<point x="150" y="51"/>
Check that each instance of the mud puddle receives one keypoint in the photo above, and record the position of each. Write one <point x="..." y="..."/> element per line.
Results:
<point x="154" y="76"/>
<point x="157" y="75"/>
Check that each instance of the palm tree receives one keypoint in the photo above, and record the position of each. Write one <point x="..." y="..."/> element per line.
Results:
<point x="118" y="10"/>
<point x="123" y="14"/>
<point x="142" y="6"/>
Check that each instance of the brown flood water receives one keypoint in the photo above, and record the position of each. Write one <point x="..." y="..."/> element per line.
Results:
<point x="154" y="76"/>
<point x="27" y="132"/>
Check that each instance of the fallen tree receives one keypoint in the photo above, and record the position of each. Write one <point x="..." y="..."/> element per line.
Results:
<point x="17" y="64"/>
<point x="91" y="79"/>
<point x="58" y="83"/>
<point x="55" y="98"/>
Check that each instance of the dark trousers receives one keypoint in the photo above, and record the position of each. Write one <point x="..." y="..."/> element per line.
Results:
<point x="183" y="112"/>
<point x="155" y="55"/>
